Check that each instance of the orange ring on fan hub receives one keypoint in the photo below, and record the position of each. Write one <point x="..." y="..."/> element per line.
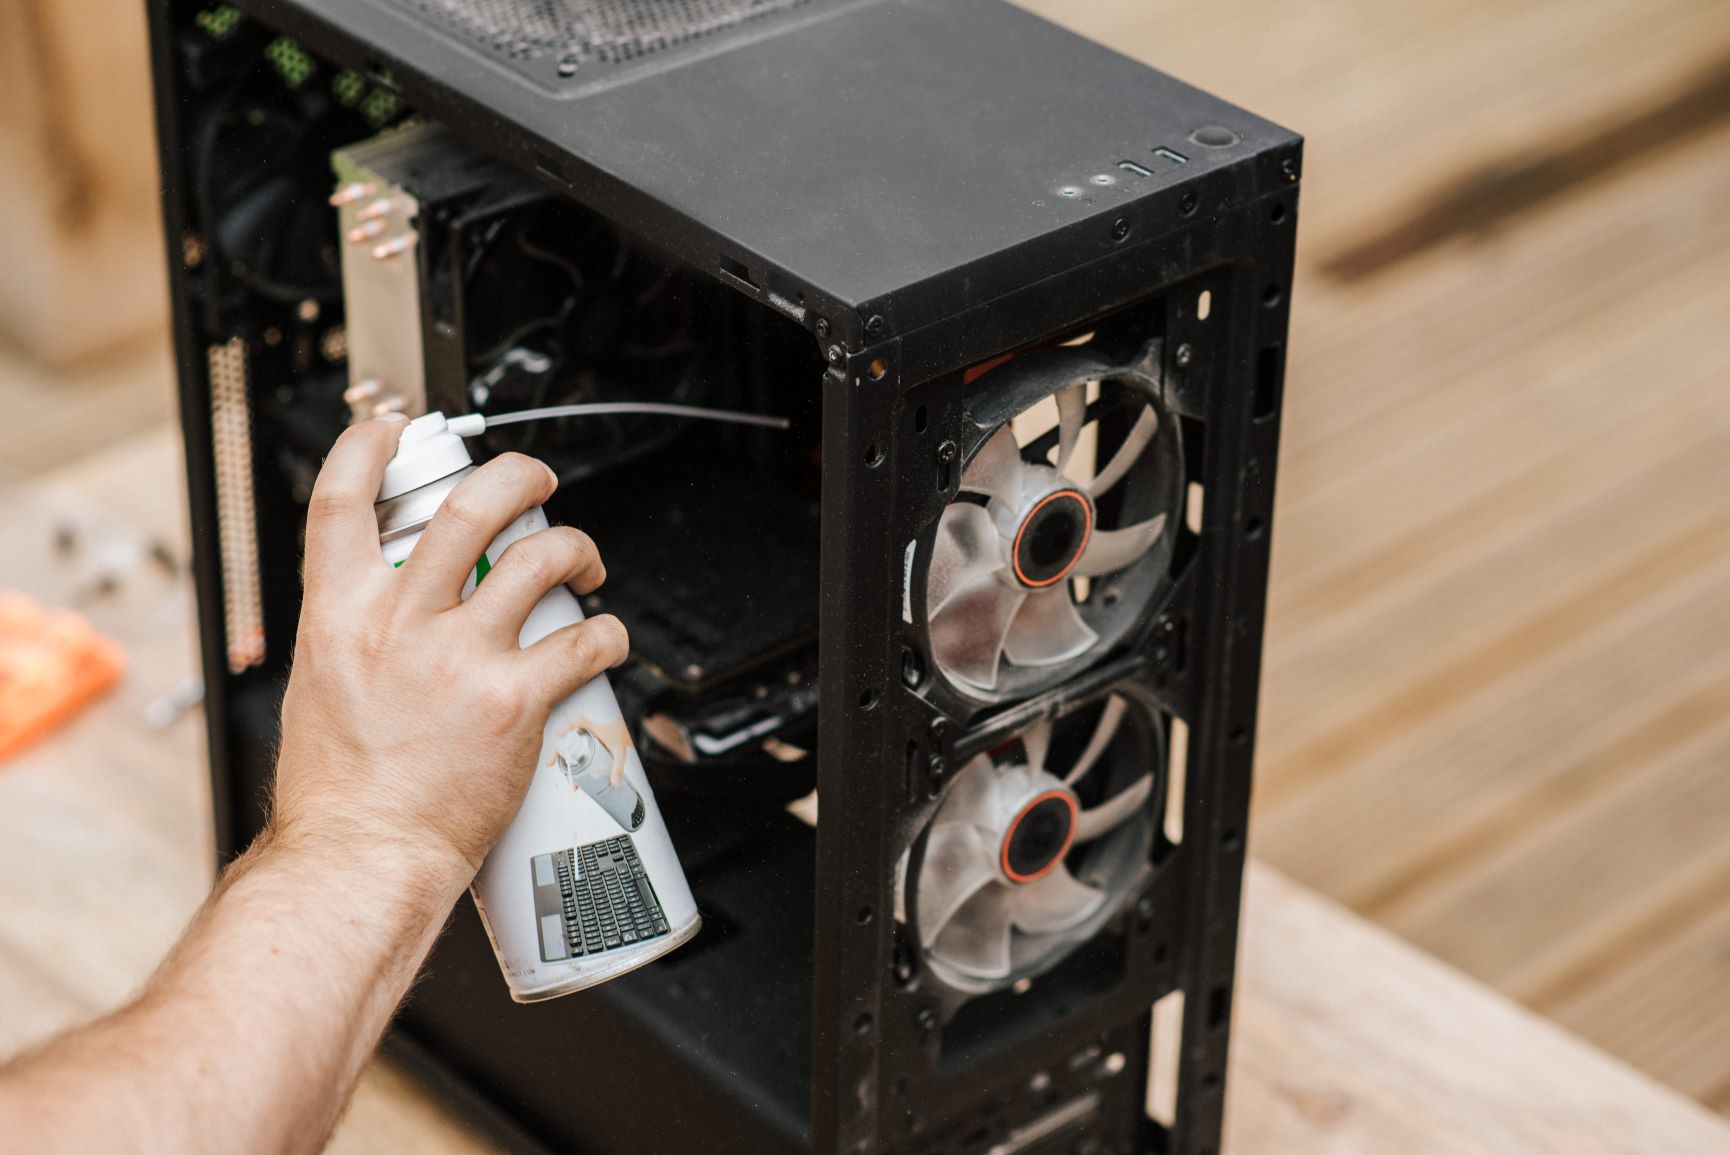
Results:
<point x="1044" y="516"/>
<point x="1038" y="803"/>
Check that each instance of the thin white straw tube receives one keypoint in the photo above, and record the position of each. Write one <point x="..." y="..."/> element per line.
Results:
<point x="468" y="426"/>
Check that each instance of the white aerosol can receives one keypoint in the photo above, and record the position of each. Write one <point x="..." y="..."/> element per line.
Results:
<point x="584" y="885"/>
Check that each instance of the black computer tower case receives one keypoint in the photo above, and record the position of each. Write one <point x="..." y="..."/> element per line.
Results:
<point x="996" y="596"/>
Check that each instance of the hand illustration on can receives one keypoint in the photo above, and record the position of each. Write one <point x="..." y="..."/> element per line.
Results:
<point x="598" y="771"/>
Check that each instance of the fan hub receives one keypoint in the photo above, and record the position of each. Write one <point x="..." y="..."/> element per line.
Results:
<point x="1038" y="837"/>
<point x="1051" y="538"/>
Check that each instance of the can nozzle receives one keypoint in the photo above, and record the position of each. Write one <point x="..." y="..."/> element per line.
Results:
<point x="467" y="425"/>
<point x="428" y="450"/>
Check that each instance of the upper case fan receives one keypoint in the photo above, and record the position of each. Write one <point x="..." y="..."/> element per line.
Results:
<point x="1048" y="556"/>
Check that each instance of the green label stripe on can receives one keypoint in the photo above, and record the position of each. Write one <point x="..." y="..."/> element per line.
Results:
<point x="483" y="567"/>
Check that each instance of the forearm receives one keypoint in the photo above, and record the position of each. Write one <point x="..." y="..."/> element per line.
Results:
<point x="252" y="1034"/>
<point x="410" y="729"/>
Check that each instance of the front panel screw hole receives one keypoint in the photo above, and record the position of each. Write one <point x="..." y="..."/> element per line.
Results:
<point x="862" y="1025"/>
<point x="1120" y="229"/>
<point x="875" y="327"/>
<point x="1183" y="355"/>
<point x="1187" y="203"/>
<point x="903" y="964"/>
<point x="868" y="700"/>
<point x="946" y="455"/>
<point x="873" y="457"/>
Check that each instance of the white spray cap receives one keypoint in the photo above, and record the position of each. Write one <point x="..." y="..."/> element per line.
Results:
<point x="431" y="448"/>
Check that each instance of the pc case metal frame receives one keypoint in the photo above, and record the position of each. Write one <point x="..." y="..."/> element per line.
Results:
<point x="1225" y="226"/>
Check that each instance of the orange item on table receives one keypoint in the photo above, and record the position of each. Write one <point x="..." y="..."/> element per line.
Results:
<point x="52" y="662"/>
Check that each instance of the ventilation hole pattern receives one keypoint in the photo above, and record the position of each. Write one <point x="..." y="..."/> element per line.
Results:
<point x="236" y="511"/>
<point x="583" y="32"/>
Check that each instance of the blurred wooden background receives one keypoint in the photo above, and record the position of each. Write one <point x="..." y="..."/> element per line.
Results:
<point x="1496" y="714"/>
<point x="1497" y="705"/>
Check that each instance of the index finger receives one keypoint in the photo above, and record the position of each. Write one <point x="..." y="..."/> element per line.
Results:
<point x="341" y="527"/>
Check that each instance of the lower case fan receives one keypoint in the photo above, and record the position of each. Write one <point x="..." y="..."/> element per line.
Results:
<point x="1036" y="845"/>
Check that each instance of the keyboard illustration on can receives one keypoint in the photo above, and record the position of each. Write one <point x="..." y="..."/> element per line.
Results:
<point x="594" y="898"/>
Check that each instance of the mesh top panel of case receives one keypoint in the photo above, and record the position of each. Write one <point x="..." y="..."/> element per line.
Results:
<point x="582" y="32"/>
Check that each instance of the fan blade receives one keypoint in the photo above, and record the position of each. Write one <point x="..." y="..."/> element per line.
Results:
<point x="1071" y="415"/>
<point x="1048" y="630"/>
<point x="995" y="470"/>
<point x="967" y="547"/>
<point x="977" y="938"/>
<point x="973" y="798"/>
<point x="958" y="862"/>
<point x="1108" y="815"/>
<point x="1109" y="720"/>
<point x="1127" y="454"/>
<point x="1110" y="550"/>
<point x="967" y="635"/>
<point x="1056" y="902"/>
<point x="1037" y="739"/>
<point x="1014" y="783"/>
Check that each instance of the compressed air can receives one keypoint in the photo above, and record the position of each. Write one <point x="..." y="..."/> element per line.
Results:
<point x="584" y="885"/>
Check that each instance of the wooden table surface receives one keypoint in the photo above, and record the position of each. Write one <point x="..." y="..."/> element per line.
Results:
<point x="1347" y="1040"/>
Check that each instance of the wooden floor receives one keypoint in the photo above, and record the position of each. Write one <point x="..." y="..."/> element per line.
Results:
<point x="57" y="416"/>
<point x="1497" y="705"/>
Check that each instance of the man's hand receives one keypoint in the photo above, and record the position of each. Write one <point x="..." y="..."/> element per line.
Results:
<point x="410" y="731"/>
<point x="413" y="721"/>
